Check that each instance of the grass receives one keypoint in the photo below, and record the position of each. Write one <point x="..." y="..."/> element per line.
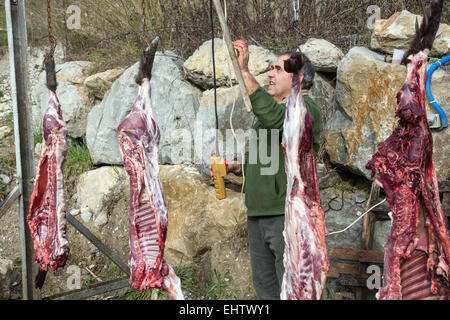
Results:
<point x="3" y="33"/>
<point x="78" y="159"/>
<point x="343" y="186"/>
<point x="217" y="288"/>
<point x="37" y="136"/>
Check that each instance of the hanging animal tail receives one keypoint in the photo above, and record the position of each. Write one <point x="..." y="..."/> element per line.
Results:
<point x="49" y="63"/>
<point x="40" y="279"/>
<point x="146" y="63"/>
<point x="295" y="63"/>
<point x="426" y="33"/>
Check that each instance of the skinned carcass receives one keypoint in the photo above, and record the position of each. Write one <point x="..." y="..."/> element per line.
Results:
<point x="417" y="252"/>
<point x="46" y="215"/>
<point x="305" y="253"/>
<point x="139" y="141"/>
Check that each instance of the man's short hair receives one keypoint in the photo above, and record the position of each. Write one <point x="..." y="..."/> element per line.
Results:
<point x="308" y="70"/>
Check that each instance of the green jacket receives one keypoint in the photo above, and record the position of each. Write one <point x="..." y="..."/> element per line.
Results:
<point x="266" y="194"/>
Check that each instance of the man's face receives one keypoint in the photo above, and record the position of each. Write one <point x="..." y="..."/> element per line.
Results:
<point x="280" y="81"/>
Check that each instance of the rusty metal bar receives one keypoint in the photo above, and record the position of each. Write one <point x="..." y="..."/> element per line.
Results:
<point x="96" y="242"/>
<point x="93" y="290"/>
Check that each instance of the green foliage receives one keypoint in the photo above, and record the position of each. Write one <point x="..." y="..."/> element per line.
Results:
<point x="88" y="281"/>
<point x="3" y="33"/>
<point x="218" y="287"/>
<point x="78" y="159"/>
<point x="37" y="136"/>
<point x="343" y="186"/>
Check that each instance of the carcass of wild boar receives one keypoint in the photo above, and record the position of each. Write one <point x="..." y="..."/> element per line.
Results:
<point x="417" y="252"/>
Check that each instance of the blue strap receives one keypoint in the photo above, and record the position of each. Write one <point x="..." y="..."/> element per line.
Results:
<point x="430" y="95"/>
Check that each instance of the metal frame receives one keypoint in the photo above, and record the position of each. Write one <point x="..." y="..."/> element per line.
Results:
<point x="17" y="44"/>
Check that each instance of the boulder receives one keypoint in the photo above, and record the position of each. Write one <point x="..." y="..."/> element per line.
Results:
<point x="197" y="219"/>
<point x="341" y="209"/>
<point x="6" y="274"/>
<point x="205" y="133"/>
<point x="398" y="31"/>
<point x="72" y="95"/>
<point x="174" y="101"/>
<point x="324" y="55"/>
<point x="322" y="92"/>
<point x="381" y="234"/>
<point x="364" y="111"/>
<point x="199" y="68"/>
<point x="93" y="188"/>
<point x="98" y="84"/>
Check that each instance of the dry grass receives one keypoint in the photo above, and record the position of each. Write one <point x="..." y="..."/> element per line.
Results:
<point x="111" y="31"/>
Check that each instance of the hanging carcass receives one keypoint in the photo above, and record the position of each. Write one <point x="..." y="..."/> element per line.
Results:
<point x="417" y="252"/>
<point x="139" y="141"/>
<point x="305" y="253"/>
<point x="46" y="216"/>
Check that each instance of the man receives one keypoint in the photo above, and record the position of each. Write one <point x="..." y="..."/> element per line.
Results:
<point x="265" y="195"/>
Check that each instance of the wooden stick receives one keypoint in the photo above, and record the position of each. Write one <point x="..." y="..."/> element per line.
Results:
<point x="237" y="70"/>
<point x="93" y="274"/>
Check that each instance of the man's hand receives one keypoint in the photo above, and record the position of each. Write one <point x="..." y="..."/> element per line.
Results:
<point x="242" y="56"/>
<point x="241" y="48"/>
<point x="233" y="166"/>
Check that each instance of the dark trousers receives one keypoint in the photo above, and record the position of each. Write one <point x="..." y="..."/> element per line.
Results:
<point x="266" y="243"/>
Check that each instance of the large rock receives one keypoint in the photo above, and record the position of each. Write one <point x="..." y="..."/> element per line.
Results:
<point x="342" y="208"/>
<point x="381" y="234"/>
<point x="205" y="133"/>
<point x="93" y="189"/>
<point x="72" y="95"/>
<point x="197" y="219"/>
<point x="364" y="112"/>
<point x="323" y="94"/>
<point x="199" y="68"/>
<point x="98" y="84"/>
<point x="398" y="31"/>
<point x="324" y="55"/>
<point x="6" y="273"/>
<point x="174" y="101"/>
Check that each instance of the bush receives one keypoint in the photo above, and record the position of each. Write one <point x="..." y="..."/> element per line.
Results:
<point x="111" y="31"/>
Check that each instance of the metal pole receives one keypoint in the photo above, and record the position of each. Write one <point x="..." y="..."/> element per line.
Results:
<point x="17" y="44"/>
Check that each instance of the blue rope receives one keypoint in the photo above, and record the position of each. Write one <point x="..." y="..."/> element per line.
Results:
<point x="429" y="94"/>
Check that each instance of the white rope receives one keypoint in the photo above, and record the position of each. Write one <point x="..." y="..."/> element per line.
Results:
<point x="232" y="129"/>
<point x="348" y="227"/>
<point x="231" y="115"/>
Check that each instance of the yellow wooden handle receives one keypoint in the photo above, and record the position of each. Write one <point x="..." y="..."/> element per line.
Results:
<point x="219" y="171"/>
